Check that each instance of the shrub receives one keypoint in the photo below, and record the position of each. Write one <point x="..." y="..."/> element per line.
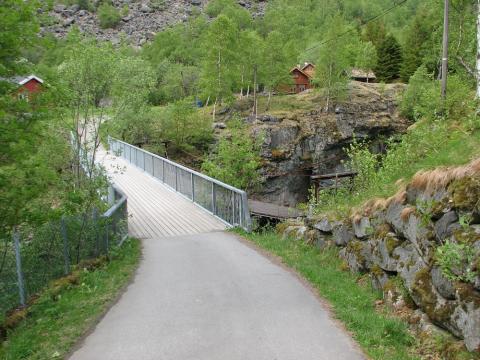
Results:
<point x="125" y="10"/>
<point x="455" y="261"/>
<point x="236" y="160"/>
<point x="158" y="4"/>
<point x="423" y="97"/>
<point x="84" y="4"/>
<point x="108" y="16"/>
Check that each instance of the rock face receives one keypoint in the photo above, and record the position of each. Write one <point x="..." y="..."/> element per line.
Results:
<point x="144" y="18"/>
<point x="411" y="240"/>
<point x="300" y="143"/>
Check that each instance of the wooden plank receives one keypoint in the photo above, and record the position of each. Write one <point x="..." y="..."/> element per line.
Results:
<point x="334" y="175"/>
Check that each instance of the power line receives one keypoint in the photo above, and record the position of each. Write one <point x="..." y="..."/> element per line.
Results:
<point x="390" y="9"/>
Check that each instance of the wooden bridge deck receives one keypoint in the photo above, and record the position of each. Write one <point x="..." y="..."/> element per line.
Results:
<point x="154" y="209"/>
<point x="273" y="211"/>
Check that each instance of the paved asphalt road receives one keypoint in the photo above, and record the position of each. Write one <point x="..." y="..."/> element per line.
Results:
<point x="211" y="297"/>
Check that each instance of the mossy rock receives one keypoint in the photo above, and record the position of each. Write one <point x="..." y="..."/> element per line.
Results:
<point x="465" y="193"/>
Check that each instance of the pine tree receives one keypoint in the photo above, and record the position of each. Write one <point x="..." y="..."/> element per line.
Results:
<point x="415" y="44"/>
<point x="389" y="59"/>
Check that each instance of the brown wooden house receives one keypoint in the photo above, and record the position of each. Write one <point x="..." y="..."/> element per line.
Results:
<point x="302" y="78"/>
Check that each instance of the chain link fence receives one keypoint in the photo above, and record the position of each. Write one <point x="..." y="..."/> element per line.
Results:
<point x="35" y="256"/>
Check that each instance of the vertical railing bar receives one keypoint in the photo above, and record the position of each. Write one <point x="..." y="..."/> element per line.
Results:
<point x="176" y="178"/>
<point x="66" y="255"/>
<point x="18" y="261"/>
<point x="163" y="171"/>
<point x="214" y="207"/>
<point x="193" y="186"/>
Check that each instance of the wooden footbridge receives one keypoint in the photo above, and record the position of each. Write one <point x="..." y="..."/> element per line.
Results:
<point x="168" y="199"/>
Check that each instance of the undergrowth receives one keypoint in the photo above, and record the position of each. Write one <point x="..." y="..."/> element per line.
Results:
<point x="428" y="144"/>
<point x="61" y="315"/>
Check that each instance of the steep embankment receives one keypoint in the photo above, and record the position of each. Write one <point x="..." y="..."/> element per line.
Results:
<point x="301" y="139"/>
<point x="140" y="20"/>
<point x="421" y="247"/>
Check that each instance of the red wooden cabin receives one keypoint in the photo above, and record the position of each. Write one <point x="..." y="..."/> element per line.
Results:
<point x="27" y="86"/>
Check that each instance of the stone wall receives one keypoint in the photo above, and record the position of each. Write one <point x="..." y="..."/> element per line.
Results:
<point x="399" y="239"/>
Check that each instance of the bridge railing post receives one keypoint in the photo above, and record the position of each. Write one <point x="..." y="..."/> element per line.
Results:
<point x="214" y="199"/>
<point x="176" y="178"/>
<point x="193" y="186"/>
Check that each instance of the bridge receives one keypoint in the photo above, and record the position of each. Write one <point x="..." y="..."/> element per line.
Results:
<point x="200" y="292"/>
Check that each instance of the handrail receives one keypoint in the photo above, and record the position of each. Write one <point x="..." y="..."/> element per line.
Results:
<point x="224" y="201"/>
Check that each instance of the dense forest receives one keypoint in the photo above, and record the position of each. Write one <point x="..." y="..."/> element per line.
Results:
<point x="150" y="95"/>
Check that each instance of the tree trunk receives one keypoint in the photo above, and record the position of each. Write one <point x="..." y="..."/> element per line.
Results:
<point x="270" y="97"/>
<point x="214" y="109"/>
<point x="241" y="89"/>
<point x="329" y="85"/>
<point x="255" y="91"/>
<point x="248" y="91"/>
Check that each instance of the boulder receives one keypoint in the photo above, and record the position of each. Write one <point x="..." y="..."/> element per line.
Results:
<point x="384" y="250"/>
<point x="74" y="8"/>
<point x="362" y="228"/>
<point x="68" y="22"/>
<point x="324" y="225"/>
<point x="357" y="255"/>
<point x="442" y="284"/>
<point x="409" y="263"/>
<point x="379" y="280"/>
<point x="342" y="235"/>
<point x="59" y="8"/>
<point x="443" y="228"/>
<point x="145" y="8"/>
<point x="466" y="318"/>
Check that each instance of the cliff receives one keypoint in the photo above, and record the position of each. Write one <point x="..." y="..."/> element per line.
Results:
<point x="300" y="139"/>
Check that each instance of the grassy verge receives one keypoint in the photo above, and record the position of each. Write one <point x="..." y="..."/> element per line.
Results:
<point x="58" y="319"/>
<point x="353" y="301"/>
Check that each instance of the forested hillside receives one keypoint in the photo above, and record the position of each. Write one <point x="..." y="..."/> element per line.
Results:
<point x="223" y="55"/>
<point x="202" y="83"/>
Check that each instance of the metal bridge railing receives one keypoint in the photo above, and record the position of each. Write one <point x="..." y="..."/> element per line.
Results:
<point x="226" y="202"/>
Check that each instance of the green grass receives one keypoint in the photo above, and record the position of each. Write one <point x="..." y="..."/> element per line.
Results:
<point x="53" y="326"/>
<point x="380" y="335"/>
<point x="429" y="145"/>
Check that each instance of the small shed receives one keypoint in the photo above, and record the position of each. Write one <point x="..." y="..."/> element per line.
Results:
<point x="366" y="76"/>
<point x="26" y="85"/>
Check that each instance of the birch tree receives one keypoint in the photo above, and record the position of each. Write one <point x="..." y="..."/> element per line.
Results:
<point x="278" y="58"/>
<point x="218" y="67"/>
<point x="333" y="63"/>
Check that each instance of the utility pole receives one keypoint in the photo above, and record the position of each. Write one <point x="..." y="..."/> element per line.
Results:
<point x="445" y="50"/>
